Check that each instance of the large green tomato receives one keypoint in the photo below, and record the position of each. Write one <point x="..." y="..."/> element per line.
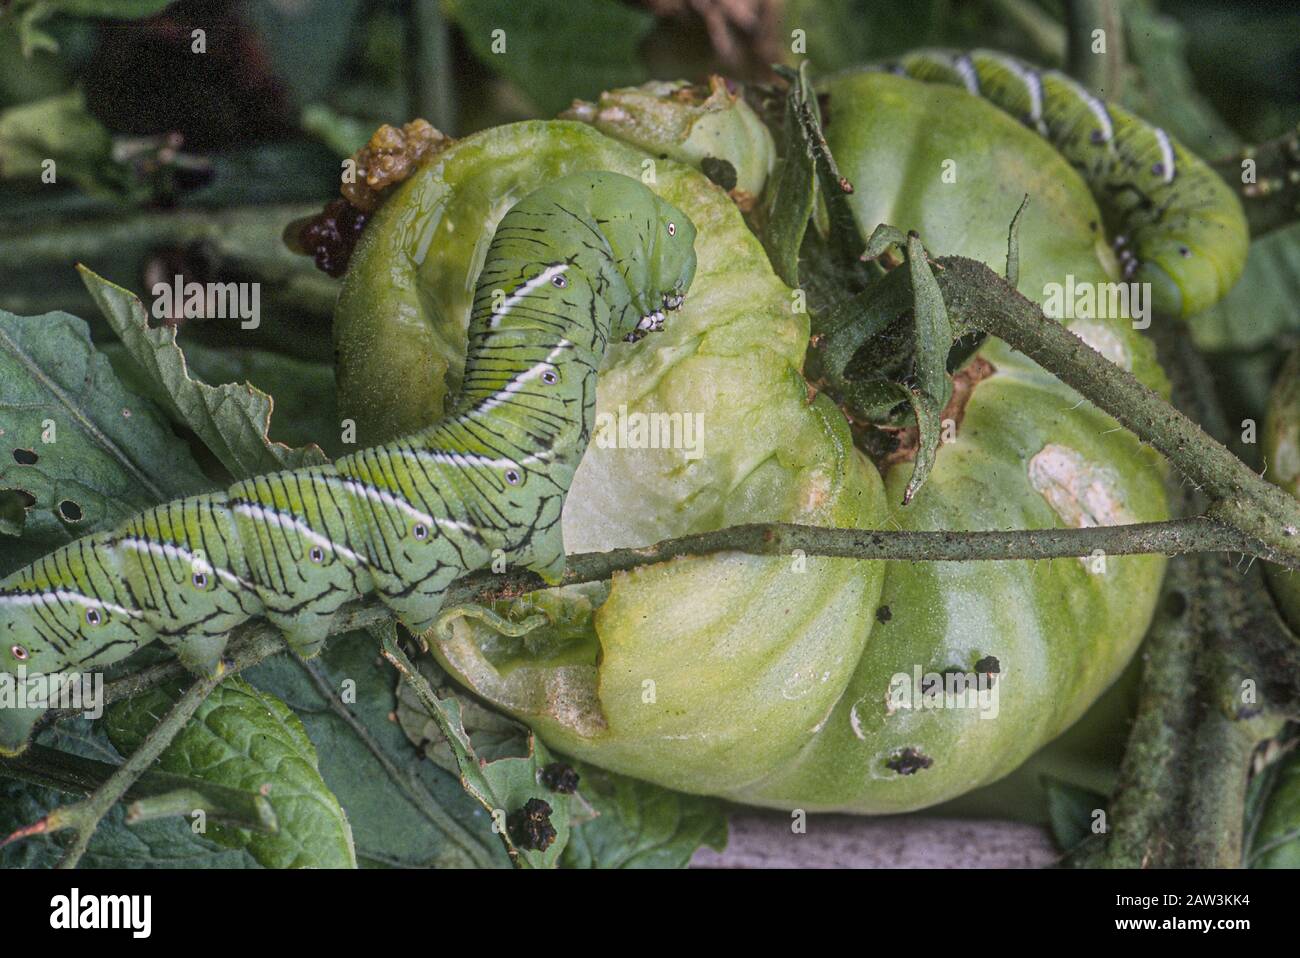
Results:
<point x="776" y="680"/>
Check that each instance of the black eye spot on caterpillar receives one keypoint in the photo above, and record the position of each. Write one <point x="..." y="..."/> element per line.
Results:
<point x="1186" y="233"/>
<point x="26" y="457"/>
<point x="192" y="570"/>
<point x="70" y="510"/>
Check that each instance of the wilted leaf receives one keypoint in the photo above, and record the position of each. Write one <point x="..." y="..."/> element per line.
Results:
<point x="792" y="189"/>
<point x="250" y="740"/>
<point x="233" y="421"/>
<point x="507" y="787"/>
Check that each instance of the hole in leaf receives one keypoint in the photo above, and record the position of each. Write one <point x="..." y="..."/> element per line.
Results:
<point x="14" y="504"/>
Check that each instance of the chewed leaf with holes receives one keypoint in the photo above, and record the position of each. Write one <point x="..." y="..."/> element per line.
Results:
<point x="77" y="450"/>
<point x="232" y="420"/>
<point x="247" y="739"/>
<point x="528" y="810"/>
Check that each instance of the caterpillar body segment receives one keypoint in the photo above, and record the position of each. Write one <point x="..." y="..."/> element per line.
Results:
<point x="1173" y="221"/>
<point x="585" y="260"/>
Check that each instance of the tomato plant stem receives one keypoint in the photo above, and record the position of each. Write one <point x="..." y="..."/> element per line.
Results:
<point x="1221" y="675"/>
<point x="979" y="299"/>
<point x="1101" y="70"/>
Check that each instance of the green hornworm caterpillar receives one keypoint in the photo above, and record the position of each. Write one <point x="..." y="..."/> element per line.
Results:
<point x="1175" y="224"/>
<point x="589" y="258"/>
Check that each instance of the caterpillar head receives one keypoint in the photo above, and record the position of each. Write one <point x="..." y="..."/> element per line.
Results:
<point x="671" y="269"/>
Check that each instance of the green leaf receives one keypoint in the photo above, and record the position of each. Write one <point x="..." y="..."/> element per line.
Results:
<point x="792" y="189"/>
<point x="233" y="421"/>
<point x="404" y="811"/>
<point x="846" y="33"/>
<point x="639" y="825"/>
<point x="1275" y="838"/>
<point x="73" y="441"/>
<point x="305" y="406"/>
<point x="166" y="843"/>
<point x="1167" y="95"/>
<point x="555" y="52"/>
<point x="504" y="786"/>
<point x="1262" y="304"/>
<point x="1070" y="811"/>
<point x="106" y="9"/>
<point x="248" y="739"/>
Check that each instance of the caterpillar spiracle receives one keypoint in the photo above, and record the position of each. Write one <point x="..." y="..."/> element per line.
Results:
<point x="588" y="259"/>
<point x="1173" y="221"/>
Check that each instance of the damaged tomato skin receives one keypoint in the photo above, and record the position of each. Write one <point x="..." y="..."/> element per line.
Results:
<point x="761" y="679"/>
<point x="1029" y="453"/>
<point x="698" y="673"/>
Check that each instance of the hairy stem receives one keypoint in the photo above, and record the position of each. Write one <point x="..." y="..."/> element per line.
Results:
<point x="84" y="817"/>
<point x="980" y="299"/>
<point x="1221" y="676"/>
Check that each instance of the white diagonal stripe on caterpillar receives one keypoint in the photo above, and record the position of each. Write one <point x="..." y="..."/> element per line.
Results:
<point x="517" y="383"/>
<point x="66" y="595"/>
<point x="170" y="550"/>
<point x="267" y="514"/>
<point x="541" y="279"/>
<point x="1167" y="170"/>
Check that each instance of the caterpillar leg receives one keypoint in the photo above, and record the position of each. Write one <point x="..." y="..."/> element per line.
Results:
<point x="416" y="546"/>
<point x="547" y="558"/>
<point x="16" y="729"/>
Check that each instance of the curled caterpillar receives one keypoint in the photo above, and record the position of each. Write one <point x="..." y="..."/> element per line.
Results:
<point x="1174" y="222"/>
<point x="586" y="260"/>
